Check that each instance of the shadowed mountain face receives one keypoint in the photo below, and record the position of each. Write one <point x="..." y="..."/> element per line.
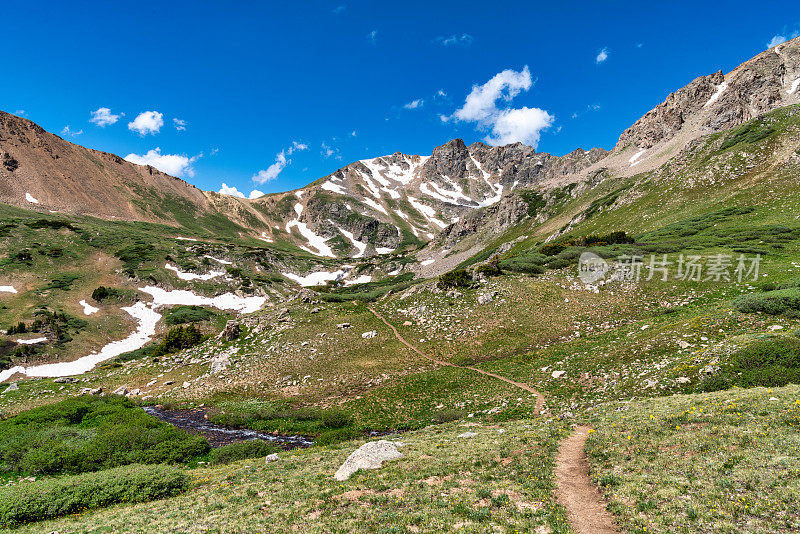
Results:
<point x="392" y="202"/>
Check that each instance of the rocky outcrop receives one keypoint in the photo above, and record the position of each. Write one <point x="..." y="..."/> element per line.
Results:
<point x="722" y="101"/>
<point x="369" y="456"/>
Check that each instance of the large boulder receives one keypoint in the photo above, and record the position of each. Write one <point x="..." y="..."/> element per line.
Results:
<point x="369" y="456"/>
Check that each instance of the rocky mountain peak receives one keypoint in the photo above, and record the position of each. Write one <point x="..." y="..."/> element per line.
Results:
<point x="720" y="101"/>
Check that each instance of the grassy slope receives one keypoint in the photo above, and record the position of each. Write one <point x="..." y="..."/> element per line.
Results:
<point x="499" y="479"/>
<point x="621" y="342"/>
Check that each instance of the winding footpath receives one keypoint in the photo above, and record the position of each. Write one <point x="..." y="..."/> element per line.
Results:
<point x="585" y="505"/>
<point x="586" y="508"/>
<point x="401" y="339"/>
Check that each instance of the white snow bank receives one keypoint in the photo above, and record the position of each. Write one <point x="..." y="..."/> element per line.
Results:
<point x="193" y="276"/>
<point x="147" y="319"/>
<point x="635" y="157"/>
<point x="361" y="247"/>
<point x="720" y="89"/>
<point x="333" y="187"/>
<point x="186" y="238"/>
<point x="223" y="262"/>
<point x="426" y="262"/>
<point x="427" y="211"/>
<point x="265" y="237"/>
<point x="374" y="205"/>
<point x="315" y="279"/>
<point x="30" y="198"/>
<point x="363" y="279"/>
<point x="316" y="241"/>
<point x="226" y="301"/>
<point x="795" y="85"/>
<point x="7" y="289"/>
<point x="32" y="341"/>
<point x="384" y="250"/>
<point x="88" y="309"/>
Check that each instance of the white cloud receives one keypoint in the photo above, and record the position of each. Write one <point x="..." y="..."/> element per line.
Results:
<point x="20" y="113"/>
<point x="148" y="122"/>
<point x="601" y="56"/>
<point x="507" y="125"/>
<point x="353" y="133"/>
<point x="103" y="117"/>
<point x="173" y="164"/>
<point x="329" y="151"/>
<point x="441" y="93"/>
<point x="281" y="161"/>
<point x="521" y="125"/>
<point x="464" y="39"/>
<point x="231" y="191"/>
<point x="179" y="124"/>
<point x="67" y="131"/>
<point x="255" y="193"/>
<point x="372" y="35"/>
<point x="776" y="40"/>
<point x="338" y="9"/>
<point x="480" y="104"/>
<point x="414" y="104"/>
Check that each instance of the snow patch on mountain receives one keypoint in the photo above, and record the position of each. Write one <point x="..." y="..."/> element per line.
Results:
<point x="315" y="279"/>
<point x="226" y="301"/>
<point x="193" y="276"/>
<point x="88" y="309"/>
<point x="720" y="89"/>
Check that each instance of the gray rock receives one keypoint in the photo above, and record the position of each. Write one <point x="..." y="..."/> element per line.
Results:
<point x="344" y="325"/>
<point x="369" y="335"/>
<point x="219" y="363"/>
<point x="11" y="387"/>
<point x="122" y="390"/>
<point x="272" y="458"/>
<point x="467" y="435"/>
<point x="231" y="331"/>
<point x="369" y="456"/>
<point x="486" y="298"/>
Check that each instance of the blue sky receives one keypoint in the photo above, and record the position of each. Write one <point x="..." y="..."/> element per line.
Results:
<point x="288" y="92"/>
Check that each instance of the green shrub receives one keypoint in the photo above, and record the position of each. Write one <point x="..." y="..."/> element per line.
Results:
<point x="338" y="435"/>
<point x="455" y="278"/>
<point x="775" y="302"/>
<point x="49" y="498"/>
<point x="534" y="200"/>
<point x="241" y="451"/>
<point x="490" y="269"/>
<point x="751" y="132"/>
<point x="89" y="433"/>
<point x="178" y="339"/>
<point x="102" y="293"/>
<point x="19" y="328"/>
<point x="187" y="314"/>
<point x="772" y="362"/>
<point x="61" y="281"/>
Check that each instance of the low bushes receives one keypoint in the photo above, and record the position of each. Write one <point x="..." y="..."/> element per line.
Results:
<point x="88" y="434"/>
<point x="775" y="302"/>
<point x="178" y="339"/>
<point x="455" y="278"/>
<point x="241" y="451"/>
<point x="772" y="362"/>
<point x="187" y="314"/>
<point x="49" y="498"/>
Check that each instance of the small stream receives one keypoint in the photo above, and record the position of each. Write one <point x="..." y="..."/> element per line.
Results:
<point x="194" y="421"/>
